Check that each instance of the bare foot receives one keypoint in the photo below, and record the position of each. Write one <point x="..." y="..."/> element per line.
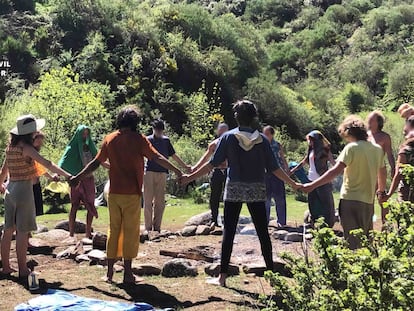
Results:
<point x="133" y="279"/>
<point x="8" y="271"/>
<point x="217" y="281"/>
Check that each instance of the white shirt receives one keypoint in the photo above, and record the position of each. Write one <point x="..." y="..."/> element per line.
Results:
<point x="313" y="173"/>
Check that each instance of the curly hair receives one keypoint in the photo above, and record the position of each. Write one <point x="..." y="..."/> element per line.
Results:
<point x="128" y="117"/>
<point x="353" y="126"/>
<point x="245" y="112"/>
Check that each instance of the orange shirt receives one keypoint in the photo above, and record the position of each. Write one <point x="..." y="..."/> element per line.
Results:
<point x="126" y="151"/>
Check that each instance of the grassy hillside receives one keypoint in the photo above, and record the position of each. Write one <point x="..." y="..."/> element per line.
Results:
<point x="305" y="63"/>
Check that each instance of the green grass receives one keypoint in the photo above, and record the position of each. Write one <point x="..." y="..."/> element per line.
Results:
<point x="178" y="210"/>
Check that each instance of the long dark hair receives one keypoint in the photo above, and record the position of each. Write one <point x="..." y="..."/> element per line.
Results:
<point x="321" y="146"/>
<point x="26" y="139"/>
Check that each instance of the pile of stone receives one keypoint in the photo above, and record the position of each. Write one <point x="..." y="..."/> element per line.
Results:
<point x="200" y="225"/>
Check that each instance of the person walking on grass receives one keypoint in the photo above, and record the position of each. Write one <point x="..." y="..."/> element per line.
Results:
<point x="79" y="152"/>
<point x="155" y="177"/>
<point x="320" y="200"/>
<point x="375" y="122"/>
<point x="362" y="164"/>
<point x="249" y="157"/>
<point x="19" y="203"/>
<point x="218" y="175"/>
<point x="125" y="149"/>
<point x="275" y="187"/>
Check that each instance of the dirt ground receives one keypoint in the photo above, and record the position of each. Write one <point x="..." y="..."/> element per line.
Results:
<point x="190" y="293"/>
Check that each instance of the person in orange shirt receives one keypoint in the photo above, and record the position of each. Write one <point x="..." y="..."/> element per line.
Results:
<point x="125" y="149"/>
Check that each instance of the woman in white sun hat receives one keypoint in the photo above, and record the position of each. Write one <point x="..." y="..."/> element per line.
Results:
<point x="19" y="167"/>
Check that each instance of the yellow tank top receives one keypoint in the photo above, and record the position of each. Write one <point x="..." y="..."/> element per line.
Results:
<point x="20" y="167"/>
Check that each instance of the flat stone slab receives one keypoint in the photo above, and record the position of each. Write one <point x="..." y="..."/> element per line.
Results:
<point x="146" y="269"/>
<point x="203" y="230"/>
<point x="178" y="268"/>
<point x="200" y="219"/>
<point x="189" y="231"/>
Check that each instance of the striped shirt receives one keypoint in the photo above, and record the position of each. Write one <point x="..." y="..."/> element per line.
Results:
<point x="20" y="167"/>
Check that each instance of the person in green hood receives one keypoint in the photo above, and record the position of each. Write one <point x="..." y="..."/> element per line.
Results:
<point x="79" y="152"/>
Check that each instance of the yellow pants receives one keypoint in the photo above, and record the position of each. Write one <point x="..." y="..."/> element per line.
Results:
<point x="124" y="226"/>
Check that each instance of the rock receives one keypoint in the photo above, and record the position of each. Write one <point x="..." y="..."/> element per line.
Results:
<point x="86" y="241"/>
<point x="259" y="270"/>
<point x="80" y="227"/>
<point x="214" y="269"/>
<point x="308" y="236"/>
<point x="72" y="252"/>
<point x="56" y="237"/>
<point x="203" y="230"/>
<point x="217" y="231"/>
<point x="39" y="247"/>
<point x="255" y="269"/>
<point x="248" y="230"/>
<point x="200" y="219"/>
<point x="146" y="269"/>
<point x="178" y="268"/>
<point x="82" y="258"/>
<point x="41" y="229"/>
<point x="118" y="268"/>
<point x="189" y="231"/>
<point x="97" y="256"/>
<point x="99" y="241"/>
<point x="294" y="237"/>
<point x="244" y="220"/>
<point x="280" y="234"/>
<point x="280" y="267"/>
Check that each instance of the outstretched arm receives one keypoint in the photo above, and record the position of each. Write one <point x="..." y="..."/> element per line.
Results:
<point x="301" y="164"/>
<point x="32" y="153"/>
<point x="89" y="169"/>
<point x="325" y="178"/>
<point x="181" y="162"/>
<point x="203" y="170"/>
<point x="281" y="174"/>
<point x="161" y="160"/>
<point x="390" y="156"/>
<point x="206" y="156"/>
<point x="402" y="159"/>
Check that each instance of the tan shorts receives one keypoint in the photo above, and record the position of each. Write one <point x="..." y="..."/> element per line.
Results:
<point x="355" y="215"/>
<point x="19" y="206"/>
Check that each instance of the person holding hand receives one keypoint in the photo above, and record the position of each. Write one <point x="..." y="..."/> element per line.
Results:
<point x="125" y="149"/>
<point x="19" y="203"/>
<point x="249" y="157"/>
<point x="362" y="163"/>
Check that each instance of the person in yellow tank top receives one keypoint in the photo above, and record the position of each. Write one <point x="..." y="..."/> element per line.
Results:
<point x="19" y="167"/>
<point x="363" y="165"/>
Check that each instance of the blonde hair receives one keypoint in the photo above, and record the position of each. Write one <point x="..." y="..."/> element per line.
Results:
<point x="353" y="126"/>
<point x="403" y="107"/>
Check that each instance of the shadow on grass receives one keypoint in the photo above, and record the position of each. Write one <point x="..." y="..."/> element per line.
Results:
<point x="152" y="295"/>
<point x="44" y="286"/>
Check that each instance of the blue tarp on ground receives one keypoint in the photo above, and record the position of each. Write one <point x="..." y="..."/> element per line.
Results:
<point x="58" y="300"/>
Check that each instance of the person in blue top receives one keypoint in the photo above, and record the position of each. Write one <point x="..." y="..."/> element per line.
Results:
<point x="249" y="157"/>
<point x="275" y="187"/>
<point x="156" y="176"/>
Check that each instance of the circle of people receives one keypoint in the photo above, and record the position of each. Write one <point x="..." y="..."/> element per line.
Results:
<point x="248" y="165"/>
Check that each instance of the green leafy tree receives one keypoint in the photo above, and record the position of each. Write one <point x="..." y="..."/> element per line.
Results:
<point x="64" y="102"/>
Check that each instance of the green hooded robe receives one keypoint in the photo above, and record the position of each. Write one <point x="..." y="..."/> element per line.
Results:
<point x="71" y="160"/>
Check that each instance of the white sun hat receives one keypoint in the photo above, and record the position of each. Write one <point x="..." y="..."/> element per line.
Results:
<point x="28" y="124"/>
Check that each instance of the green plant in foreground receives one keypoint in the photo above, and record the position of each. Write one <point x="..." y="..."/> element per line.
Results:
<point x="379" y="276"/>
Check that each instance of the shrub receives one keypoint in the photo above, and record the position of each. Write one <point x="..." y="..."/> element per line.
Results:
<point x="379" y="276"/>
